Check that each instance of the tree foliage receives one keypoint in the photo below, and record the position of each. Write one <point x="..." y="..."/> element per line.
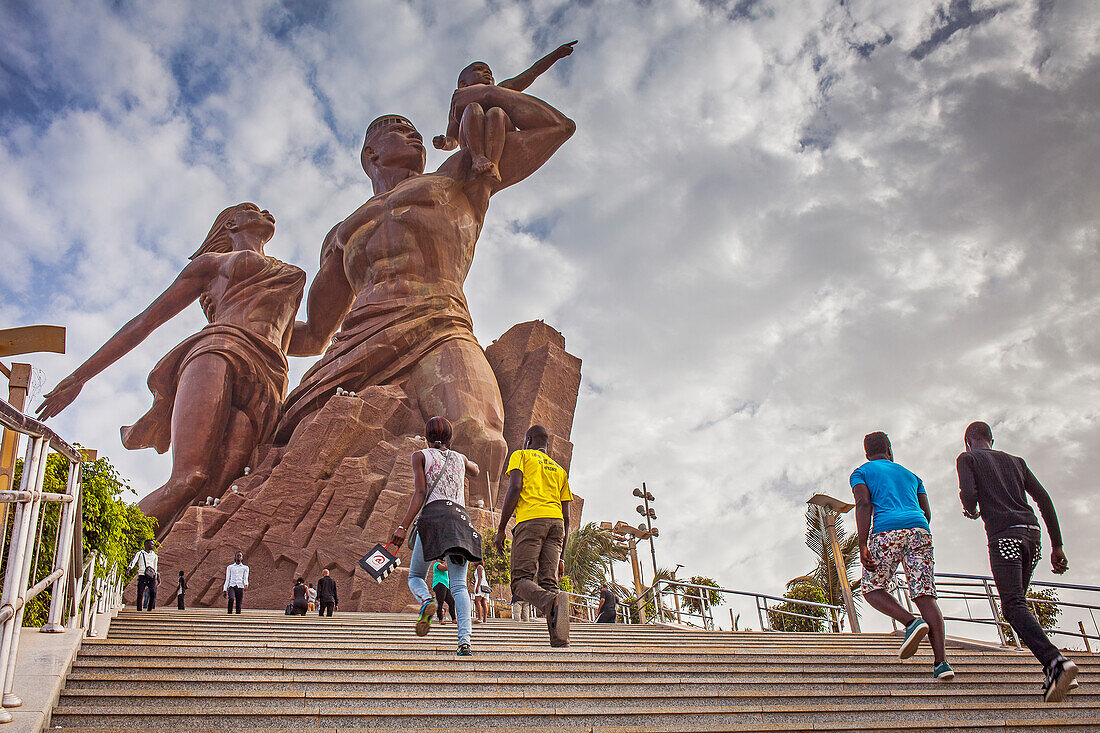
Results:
<point x="498" y="567"/>
<point x="112" y="528"/>
<point x="698" y="600"/>
<point x="1045" y="613"/>
<point x="588" y="556"/>
<point x="800" y="591"/>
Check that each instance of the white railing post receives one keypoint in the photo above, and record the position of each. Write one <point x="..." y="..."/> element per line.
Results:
<point x="13" y="571"/>
<point x="14" y="578"/>
<point x="10" y="699"/>
<point x="63" y="550"/>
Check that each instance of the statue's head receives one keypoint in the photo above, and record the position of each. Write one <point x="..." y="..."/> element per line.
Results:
<point x="476" y="73"/>
<point x="241" y="217"/>
<point x="392" y="142"/>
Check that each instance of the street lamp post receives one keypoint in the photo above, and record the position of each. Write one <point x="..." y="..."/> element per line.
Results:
<point x="831" y="508"/>
<point x="631" y="535"/>
<point x="646" y="511"/>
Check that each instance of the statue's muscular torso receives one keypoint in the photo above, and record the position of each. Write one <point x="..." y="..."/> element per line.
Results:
<point x="415" y="239"/>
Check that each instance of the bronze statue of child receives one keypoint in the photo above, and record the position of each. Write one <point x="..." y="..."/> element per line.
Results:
<point x="481" y="131"/>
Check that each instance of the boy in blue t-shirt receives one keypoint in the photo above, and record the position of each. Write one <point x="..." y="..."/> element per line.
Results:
<point x="892" y="515"/>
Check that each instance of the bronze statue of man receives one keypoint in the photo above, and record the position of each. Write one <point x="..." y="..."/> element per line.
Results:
<point x="216" y="395"/>
<point x="391" y="279"/>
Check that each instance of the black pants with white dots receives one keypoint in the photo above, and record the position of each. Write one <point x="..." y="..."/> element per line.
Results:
<point x="1013" y="555"/>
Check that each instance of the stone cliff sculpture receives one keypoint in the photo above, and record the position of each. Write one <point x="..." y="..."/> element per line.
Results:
<point x="216" y="395"/>
<point x="343" y="482"/>
<point x="391" y="280"/>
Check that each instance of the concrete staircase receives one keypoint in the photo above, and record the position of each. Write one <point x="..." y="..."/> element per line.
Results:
<point x="204" y="670"/>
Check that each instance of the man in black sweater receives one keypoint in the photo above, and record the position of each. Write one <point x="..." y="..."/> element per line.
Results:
<point x="326" y="594"/>
<point x="994" y="486"/>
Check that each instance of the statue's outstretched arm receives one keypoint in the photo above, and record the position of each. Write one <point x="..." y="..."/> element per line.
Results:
<point x="328" y="302"/>
<point x="540" y="67"/>
<point x="541" y="131"/>
<point x="181" y="293"/>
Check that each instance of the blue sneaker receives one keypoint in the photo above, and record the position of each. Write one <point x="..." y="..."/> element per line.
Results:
<point x="942" y="672"/>
<point x="914" y="633"/>
<point x="424" y="621"/>
<point x="464" y="651"/>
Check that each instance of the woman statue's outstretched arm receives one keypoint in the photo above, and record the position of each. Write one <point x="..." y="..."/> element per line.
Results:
<point x="181" y="293"/>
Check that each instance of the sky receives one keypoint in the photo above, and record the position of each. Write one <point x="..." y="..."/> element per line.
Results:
<point x="779" y="226"/>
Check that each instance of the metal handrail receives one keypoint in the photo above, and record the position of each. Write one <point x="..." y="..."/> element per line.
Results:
<point x="14" y="419"/>
<point x="21" y="584"/>
<point x="591" y="603"/>
<point x="656" y="592"/>
<point x="985" y="590"/>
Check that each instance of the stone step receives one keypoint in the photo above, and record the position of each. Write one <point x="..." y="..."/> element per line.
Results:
<point x="407" y="635"/>
<point x="493" y="696"/>
<point x="457" y="716"/>
<point x="623" y="637"/>
<point x="457" y="683"/>
<point x="263" y="671"/>
<point x="1014" y="725"/>
<point x="342" y="657"/>
<point x="344" y="667"/>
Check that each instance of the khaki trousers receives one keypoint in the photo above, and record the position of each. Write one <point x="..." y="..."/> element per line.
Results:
<point x="536" y="550"/>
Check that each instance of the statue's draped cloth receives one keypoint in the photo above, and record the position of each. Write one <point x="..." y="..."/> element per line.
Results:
<point x="379" y="343"/>
<point x="258" y="367"/>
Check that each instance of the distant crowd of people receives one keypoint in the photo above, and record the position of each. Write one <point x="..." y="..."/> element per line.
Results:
<point x="893" y="524"/>
<point x="324" y="599"/>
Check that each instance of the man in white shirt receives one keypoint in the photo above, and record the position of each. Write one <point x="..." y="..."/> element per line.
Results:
<point x="236" y="580"/>
<point x="146" y="563"/>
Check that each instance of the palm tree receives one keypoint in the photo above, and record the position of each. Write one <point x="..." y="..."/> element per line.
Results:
<point x="825" y="576"/>
<point x="588" y="556"/>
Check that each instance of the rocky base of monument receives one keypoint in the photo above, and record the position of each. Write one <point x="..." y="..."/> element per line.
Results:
<point x="344" y="481"/>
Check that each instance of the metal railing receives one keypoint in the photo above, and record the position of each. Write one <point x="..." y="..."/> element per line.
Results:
<point x="581" y="608"/>
<point x="584" y="607"/>
<point x="28" y="522"/>
<point x="982" y="590"/>
<point x="691" y="602"/>
<point x="95" y="596"/>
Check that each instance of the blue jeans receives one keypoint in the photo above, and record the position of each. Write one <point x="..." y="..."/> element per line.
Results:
<point x="456" y="575"/>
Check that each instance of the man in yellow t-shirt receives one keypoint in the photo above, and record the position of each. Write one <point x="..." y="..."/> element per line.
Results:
<point x="538" y="494"/>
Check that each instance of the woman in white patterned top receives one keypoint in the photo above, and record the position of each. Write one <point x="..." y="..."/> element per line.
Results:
<point x="443" y="529"/>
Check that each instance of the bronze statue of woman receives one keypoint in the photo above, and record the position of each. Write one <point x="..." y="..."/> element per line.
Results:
<point x="217" y="394"/>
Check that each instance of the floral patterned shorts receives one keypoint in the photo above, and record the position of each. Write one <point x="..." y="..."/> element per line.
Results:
<point x="911" y="548"/>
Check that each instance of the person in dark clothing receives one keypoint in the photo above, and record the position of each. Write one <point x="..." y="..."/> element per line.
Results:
<point x="148" y="576"/>
<point x="300" y="603"/>
<point x="605" y="614"/>
<point x="181" y="588"/>
<point x="995" y="486"/>
<point x="327" y="598"/>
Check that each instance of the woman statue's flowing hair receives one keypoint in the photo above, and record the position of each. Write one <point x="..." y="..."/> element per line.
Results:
<point x="218" y="239"/>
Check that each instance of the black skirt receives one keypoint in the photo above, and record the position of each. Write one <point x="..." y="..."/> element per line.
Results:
<point x="444" y="528"/>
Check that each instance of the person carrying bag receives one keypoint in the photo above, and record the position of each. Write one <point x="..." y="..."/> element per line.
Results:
<point x="443" y="529"/>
